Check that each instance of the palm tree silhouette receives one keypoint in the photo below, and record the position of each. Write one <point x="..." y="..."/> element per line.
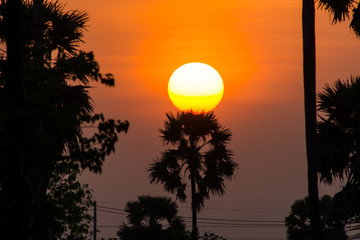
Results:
<point x="339" y="131"/>
<point x="340" y="10"/>
<point x="146" y="216"/>
<point x="200" y="152"/>
<point x="338" y="137"/>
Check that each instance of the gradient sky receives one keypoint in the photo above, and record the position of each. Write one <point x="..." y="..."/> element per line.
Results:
<point x="256" y="47"/>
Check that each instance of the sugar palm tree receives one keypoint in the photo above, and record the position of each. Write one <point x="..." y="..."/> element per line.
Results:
<point x="339" y="131"/>
<point x="200" y="152"/>
<point x="340" y="10"/>
<point x="338" y="138"/>
<point x="146" y="216"/>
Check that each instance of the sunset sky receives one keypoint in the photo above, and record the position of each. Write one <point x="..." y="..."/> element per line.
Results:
<point x="256" y="47"/>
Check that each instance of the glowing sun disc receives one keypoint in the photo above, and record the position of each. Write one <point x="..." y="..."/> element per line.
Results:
<point x="195" y="87"/>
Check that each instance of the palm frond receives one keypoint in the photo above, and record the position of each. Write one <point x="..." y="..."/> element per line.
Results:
<point x="64" y="29"/>
<point x="338" y="8"/>
<point x="167" y="172"/>
<point x="355" y="21"/>
<point x="172" y="132"/>
<point x="338" y="130"/>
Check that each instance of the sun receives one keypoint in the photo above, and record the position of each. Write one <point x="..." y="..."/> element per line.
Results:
<point x="195" y="87"/>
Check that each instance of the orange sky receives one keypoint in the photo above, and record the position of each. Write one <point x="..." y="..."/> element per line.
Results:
<point x="256" y="48"/>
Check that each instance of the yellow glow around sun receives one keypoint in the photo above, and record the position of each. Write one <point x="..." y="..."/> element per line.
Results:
<point x="195" y="87"/>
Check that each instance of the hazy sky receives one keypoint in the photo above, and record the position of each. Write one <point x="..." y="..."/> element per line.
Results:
<point x="256" y="47"/>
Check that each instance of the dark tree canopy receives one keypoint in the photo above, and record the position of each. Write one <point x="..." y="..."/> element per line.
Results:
<point x="68" y="203"/>
<point x="152" y="218"/>
<point x="339" y="131"/>
<point x="298" y="222"/>
<point x="44" y="103"/>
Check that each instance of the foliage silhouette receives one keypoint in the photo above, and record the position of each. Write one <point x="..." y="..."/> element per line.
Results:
<point x="200" y="152"/>
<point x="297" y="223"/>
<point x="44" y="102"/>
<point x="340" y="11"/>
<point x="338" y="136"/>
<point x="68" y="202"/>
<point x="339" y="131"/>
<point x="211" y="236"/>
<point x="146" y="217"/>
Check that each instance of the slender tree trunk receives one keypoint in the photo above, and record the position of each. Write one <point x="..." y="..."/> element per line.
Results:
<point x="38" y="32"/>
<point x="194" y="232"/>
<point x="14" y="199"/>
<point x="14" y="47"/>
<point x="194" y="200"/>
<point x="41" y="165"/>
<point x="309" y="70"/>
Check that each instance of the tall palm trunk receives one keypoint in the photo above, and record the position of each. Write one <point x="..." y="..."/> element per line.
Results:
<point x="42" y="164"/>
<point x="194" y="200"/>
<point x="194" y="232"/>
<point x="15" y="192"/>
<point x="309" y="70"/>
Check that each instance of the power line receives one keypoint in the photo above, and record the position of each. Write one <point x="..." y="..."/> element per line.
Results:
<point x="222" y="224"/>
<point x="108" y="226"/>
<point x="238" y="220"/>
<point x="212" y="222"/>
<point x="215" y="225"/>
<point x="111" y="208"/>
<point x="210" y="219"/>
<point x="101" y="210"/>
<point x="258" y="226"/>
<point x="112" y="202"/>
<point x="229" y="225"/>
<point x="240" y="224"/>
<point x="243" y="210"/>
<point x="217" y="209"/>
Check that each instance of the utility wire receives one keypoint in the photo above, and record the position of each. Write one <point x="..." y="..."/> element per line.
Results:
<point x="101" y="210"/>
<point x="199" y="218"/>
<point x="216" y="209"/>
<point x="242" y="210"/>
<point x="239" y="224"/>
<point x="111" y="208"/>
<point x="219" y="226"/>
<point x="114" y="202"/>
<point x="239" y="220"/>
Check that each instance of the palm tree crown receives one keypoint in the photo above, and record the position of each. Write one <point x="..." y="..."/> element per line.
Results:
<point x="146" y="216"/>
<point x="200" y="151"/>
<point x="338" y="143"/>
<point x="340" y="11"/>
<point x="339" y="131"/>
